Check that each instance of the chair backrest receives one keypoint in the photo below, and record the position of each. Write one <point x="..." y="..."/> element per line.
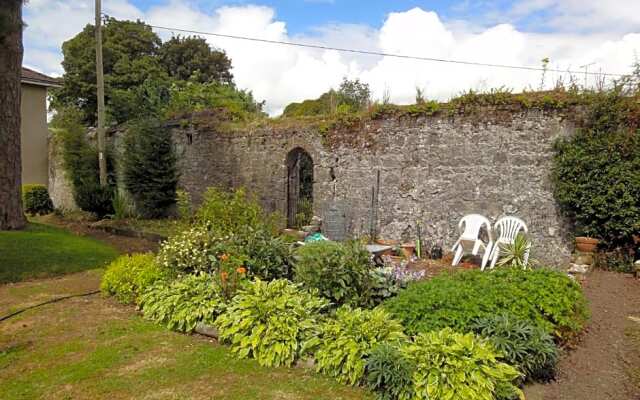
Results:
<point x="508" y="228"/>
<point x="472" y="226"/>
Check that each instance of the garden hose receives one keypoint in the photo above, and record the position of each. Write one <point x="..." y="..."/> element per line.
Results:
<point x="57" y="299"/>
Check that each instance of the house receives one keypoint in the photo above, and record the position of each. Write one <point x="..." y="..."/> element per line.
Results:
<point x="33" y="131"/>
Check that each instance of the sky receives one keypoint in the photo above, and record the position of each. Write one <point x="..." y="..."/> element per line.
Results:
<point x="605" y="35"/>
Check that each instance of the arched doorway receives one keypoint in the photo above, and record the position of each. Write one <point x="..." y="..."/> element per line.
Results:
<point x="299" y="188"/>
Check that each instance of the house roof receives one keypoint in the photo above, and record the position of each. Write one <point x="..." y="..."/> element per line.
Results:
<point x="32" y="77"/>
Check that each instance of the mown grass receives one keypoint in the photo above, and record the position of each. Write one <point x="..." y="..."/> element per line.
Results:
<point x="43" y="251"/>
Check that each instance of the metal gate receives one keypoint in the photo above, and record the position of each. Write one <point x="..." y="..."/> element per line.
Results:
<point x="299" y="187"/>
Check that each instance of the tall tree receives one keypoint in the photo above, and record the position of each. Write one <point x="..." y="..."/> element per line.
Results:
<point x="11" y="214"/>
<point x="191" y="57"/>
<point x="130" y="58"/>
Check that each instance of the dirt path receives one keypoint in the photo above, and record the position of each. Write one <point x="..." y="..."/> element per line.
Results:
<point x="606" y="364"/>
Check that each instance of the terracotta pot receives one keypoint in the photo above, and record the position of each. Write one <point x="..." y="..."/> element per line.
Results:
<point x="386" y="242"/>
<point x="408" y="249"/>
<point x="586" y="244"/>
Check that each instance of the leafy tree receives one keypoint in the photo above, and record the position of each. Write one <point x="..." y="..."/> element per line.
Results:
<point x="191" y="57"/>
<point x="129" y="57"/>
<point x="355" y="94"/>
<point x="351" y="96"/>
<point x="150" y="172"/>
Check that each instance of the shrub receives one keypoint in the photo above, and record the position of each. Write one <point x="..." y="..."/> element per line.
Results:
<point x="230" y="212"/>
<point x="149" y="167"/>
<point x="340" y="272"/>
<point x="527" y="347"/>
<point x="618" y="260"/>
<point x="181" y="304"/>
<point x="347" y="340"/>
<point x="389" y="373"/>
<point x="596" y="177"/>
<point x="128" y="276"/>
<point x="189" y="251"/>
<point x="271" y="322"/>
<point x="36" y="200"/>
<point x="267" y="255"/>
<point x="455" y="366"/>
<point x="543" y="297"/>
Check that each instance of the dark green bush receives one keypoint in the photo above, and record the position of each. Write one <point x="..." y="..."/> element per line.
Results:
<point x="149" y="167"/>
<point x="543" y="297"/>
<point x="527" y="347"/>
<point x="340" y="272"/>
<point x="267" y="255"/>
<point x="619" y="260"/>
<point x="389" y="373"/>
<point x="182" y="304"/>
<point x="36" y="200"/>
<point x="596" y="177"/>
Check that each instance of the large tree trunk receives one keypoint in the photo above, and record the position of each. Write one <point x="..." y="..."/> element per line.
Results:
<point x="11" y="214"/>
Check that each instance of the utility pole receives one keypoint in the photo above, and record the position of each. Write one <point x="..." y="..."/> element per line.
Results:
<point x="102" y="161"/>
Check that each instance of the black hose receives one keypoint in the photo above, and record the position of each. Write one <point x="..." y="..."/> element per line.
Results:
<point x="13" y="314"/>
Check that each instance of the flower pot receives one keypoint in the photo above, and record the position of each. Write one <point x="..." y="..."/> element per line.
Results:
<point x="408" y="249"/>
<point x="586" y="244"/>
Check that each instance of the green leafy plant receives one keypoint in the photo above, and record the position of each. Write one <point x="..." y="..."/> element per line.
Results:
<point x="515" y="254"/>
<point x="149" y="167"/>
<point x="390" y="373"/>
<point x="527" y="347"/>
<point x="121" y="206"/>
<point x="455" y="366"/>
<point x="230" y="212"/>
<point x="596" y="176"/>
<point x="189" y="251"/>
<point x="620" y="259"/>
<point x="271" y="322"/>
<point x="546" y="298"/>
<point x="181" y="304"/>
<point x="340" y="272"/>
<point x="267" y="255"/>
<point x="129" y="276"/>
<point x="36" y="200"/>
<point x="185" y="206"/>
<point x="347" y="340"/>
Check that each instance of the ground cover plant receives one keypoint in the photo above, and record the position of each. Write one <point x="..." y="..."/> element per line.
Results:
<point x="183" y="303"/>
<point x="347" y="339"/>
<point x="543" y="297"/>
<point x="129" y="276"/>
<point x="271" y="322"/>
<point x="450" y="365"/>
<point x="42" y="251"/>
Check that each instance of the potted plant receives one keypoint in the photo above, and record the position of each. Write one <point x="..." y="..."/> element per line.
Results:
<point x="408" y="249"/>
<point x="586" y="243"/>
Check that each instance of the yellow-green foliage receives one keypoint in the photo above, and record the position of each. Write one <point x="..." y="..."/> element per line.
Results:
<point x="455" y="366"/>
<point x="346" y="340"/>
<point x="129" y="275"/>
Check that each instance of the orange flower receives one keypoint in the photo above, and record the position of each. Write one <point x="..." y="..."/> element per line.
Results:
<point x="241" y="270"/>
<point x="224" y="257"/>
<point x="224" y="275"/>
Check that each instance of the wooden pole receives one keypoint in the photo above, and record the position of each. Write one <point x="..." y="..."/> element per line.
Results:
<point x="102" y="162"/>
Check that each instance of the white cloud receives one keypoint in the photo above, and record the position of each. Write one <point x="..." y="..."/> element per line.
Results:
<point x="282" y="74"/>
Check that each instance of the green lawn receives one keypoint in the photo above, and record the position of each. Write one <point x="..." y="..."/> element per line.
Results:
<point x="42" y="251"/>
<point x="93" y="348"/>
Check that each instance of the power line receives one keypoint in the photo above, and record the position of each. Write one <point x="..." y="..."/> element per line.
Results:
<point x="377" y="53"/>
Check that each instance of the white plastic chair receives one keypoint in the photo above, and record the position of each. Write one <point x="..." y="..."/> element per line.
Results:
<point x="473" y="223"/>
<point x="507" y="229"/>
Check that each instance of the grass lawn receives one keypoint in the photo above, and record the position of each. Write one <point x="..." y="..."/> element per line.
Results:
<point x="42" y="251"/>
<point x="94" y="348"/>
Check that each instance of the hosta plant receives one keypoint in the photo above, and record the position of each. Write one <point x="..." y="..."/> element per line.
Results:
<point x="128" y="276"/>
<point x="527" y="347"/>
<point x="271" y="322"/>
<point x="182" y="304"/>
<point x="455" y="366"/>
<point x="389" y="373"/>
<point x="347" y="340"/>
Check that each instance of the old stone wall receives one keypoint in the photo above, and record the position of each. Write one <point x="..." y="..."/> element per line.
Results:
<point x="433" y="171"/>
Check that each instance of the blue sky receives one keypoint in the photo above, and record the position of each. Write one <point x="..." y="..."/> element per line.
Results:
<point x="571" y="33"/>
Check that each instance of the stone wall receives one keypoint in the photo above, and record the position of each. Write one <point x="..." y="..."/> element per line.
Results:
<point x="433" y="171"/>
